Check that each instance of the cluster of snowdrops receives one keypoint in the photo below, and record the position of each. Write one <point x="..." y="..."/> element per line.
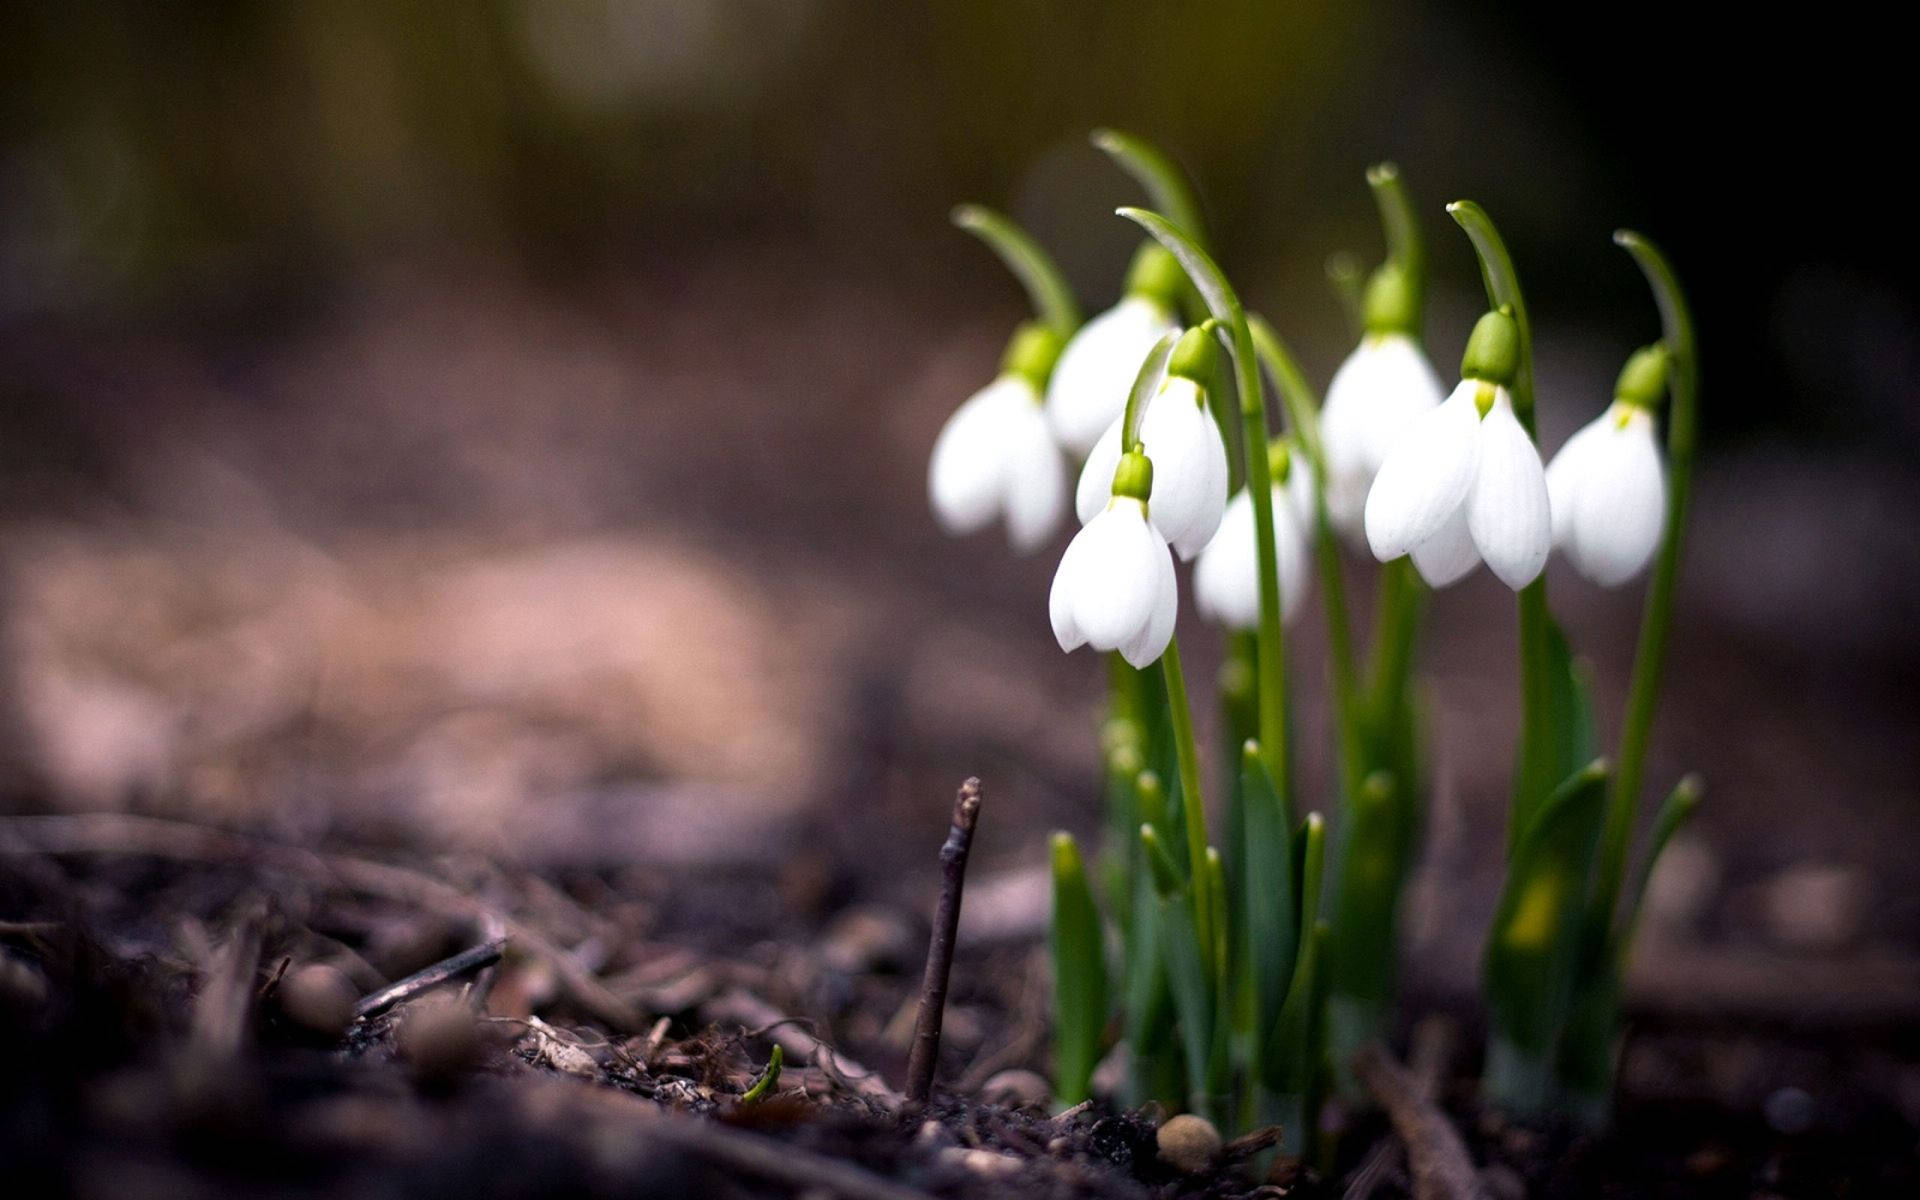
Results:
<point x="1240" y="975"/>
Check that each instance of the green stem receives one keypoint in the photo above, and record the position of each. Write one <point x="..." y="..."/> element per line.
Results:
<point x="1144" y="384"/>
<point x="1047" y="289"/>
<point x="1349" y="287"/>
<point x="1188" y="757"/>
<point x="1225" y="305"/>
<point x="1656" y="620"/>
<point x="1303" y="418"/>
<point x="1503" y="290"/>
<point x="1165" y="183"/>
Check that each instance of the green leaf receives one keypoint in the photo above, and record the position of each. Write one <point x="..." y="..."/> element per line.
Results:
<point x="1047" y="289"/>
<point x="1193" y="996"/>
<point x="1296" y="1055"/>
<point x="1570" y="740"/>
<point x="1269" y="890"/>
<point x="1167" y="879"/>
<point x="1079" y="975"/>
<point x="1370" y="867"/>
<point x="1676" y="812"/>
<point x="1534" y="946"/>
<point x="1165" y="183"/>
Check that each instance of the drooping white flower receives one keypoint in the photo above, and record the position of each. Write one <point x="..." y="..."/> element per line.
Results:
<point x="1468" y="463"/>
<point x="1608" y="489"/>
<point x="1190" y="470"/>
<point x="1096" y="370"/>
<point x="996" y="457"/>
<point x="1226" y="579"/>
<point x="1378" y="392"/>
<point x="1115" y="587"/>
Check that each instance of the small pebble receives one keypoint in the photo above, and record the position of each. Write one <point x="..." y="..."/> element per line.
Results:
<point x="1816" y="906"/>
<point x="1188" y="1144"/>
<point x="438" y="1037"/>
<point x="1791" y="1110"/>
<point x="984" y="1163"/>
<point x="319" y="998"/>
<point x="1016" y="1088"/>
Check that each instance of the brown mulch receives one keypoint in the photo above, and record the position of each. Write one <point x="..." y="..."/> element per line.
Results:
<point x="178" y="1018"/>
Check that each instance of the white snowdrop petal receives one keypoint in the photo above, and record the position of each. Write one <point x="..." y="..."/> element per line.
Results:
<point x="1448" y="556"/>
<point x="1620" y="504"/>
<point x="1568" y="467"/>
<point x="1226" y="584"/>
<point x="1035" y="481"/>
<point x="1403" y="386"/>
<point x="1189" y="467"/>
<point x="1143" y="650"/>
<point x="1095" y="487"/>
<point x="1090" y="381"/>
<point x="1425" y="477"/>
<point x="1115" y="594"/>
<point x="964" y="477"/>
<point x="1507" y="505"/>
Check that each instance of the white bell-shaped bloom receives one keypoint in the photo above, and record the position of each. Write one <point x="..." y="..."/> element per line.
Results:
<point x="1459" y="468"/>
<point x="996" y="457"/>
<point x="1608" y="488"/>
<point x="1096" y="370"/>
<point x="1226" y="579"/>
<point x="1190" y="470"/>
<point x="1115" y="588"/>
<point x="1379" y="391"/>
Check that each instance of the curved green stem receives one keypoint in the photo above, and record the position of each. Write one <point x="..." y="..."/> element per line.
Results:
<point x="1047" y="288"/>
<point x="1402" y="225"/>
<point x="1649" y="659"/>
<point x="1225" y="305"/>
<point x="1192" y="807"/>
<point x="1503" y="291"/>
<point x="1349" y="287"/>
<point x="1144" y="383"/>
<point x="1165" y="183"/>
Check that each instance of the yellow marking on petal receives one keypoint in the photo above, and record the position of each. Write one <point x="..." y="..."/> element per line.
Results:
<point x="1483" y="397"/>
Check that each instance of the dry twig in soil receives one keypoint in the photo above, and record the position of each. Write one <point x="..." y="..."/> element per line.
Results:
<point x="946" y="920"/>
<point x="1441" y="1167"/>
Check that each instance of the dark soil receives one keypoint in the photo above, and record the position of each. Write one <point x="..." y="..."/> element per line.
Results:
<point x="157" y="1044"/>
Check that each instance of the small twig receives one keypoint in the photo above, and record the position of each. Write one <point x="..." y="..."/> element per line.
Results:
<point x="444" y="971"/>
<point x="946" y="920"/>
<point x="1249" y="1144"/>
<point x="1441" y="1167"/>
<point x="1427" y="1060"/>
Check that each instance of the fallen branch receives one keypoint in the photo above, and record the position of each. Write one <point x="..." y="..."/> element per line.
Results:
<point x="1427" y="1060"/>
<point x="428" y="978"/>
<point x="124" y="833"/>
<point x="925" y="1056"/>
<point x="1441" y="1167"/>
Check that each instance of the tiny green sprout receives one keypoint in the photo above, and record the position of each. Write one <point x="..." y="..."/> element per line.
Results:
<point x="769" y="1078"/>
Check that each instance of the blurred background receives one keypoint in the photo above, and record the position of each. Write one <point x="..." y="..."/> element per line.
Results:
<point x="503" y="425"/>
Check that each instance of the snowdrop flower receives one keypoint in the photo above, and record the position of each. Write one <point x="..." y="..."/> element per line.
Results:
<point x="1382" y="388"/>
<point x="1189" y="455"/>
<point x="996" y="457"/>
<point x="1226" y="579"/>
<point x="1115" y="588"/>
<point x="1096" y="370"/>
<point x="1608" y="484"/>
<point x="1465" y="482"/>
